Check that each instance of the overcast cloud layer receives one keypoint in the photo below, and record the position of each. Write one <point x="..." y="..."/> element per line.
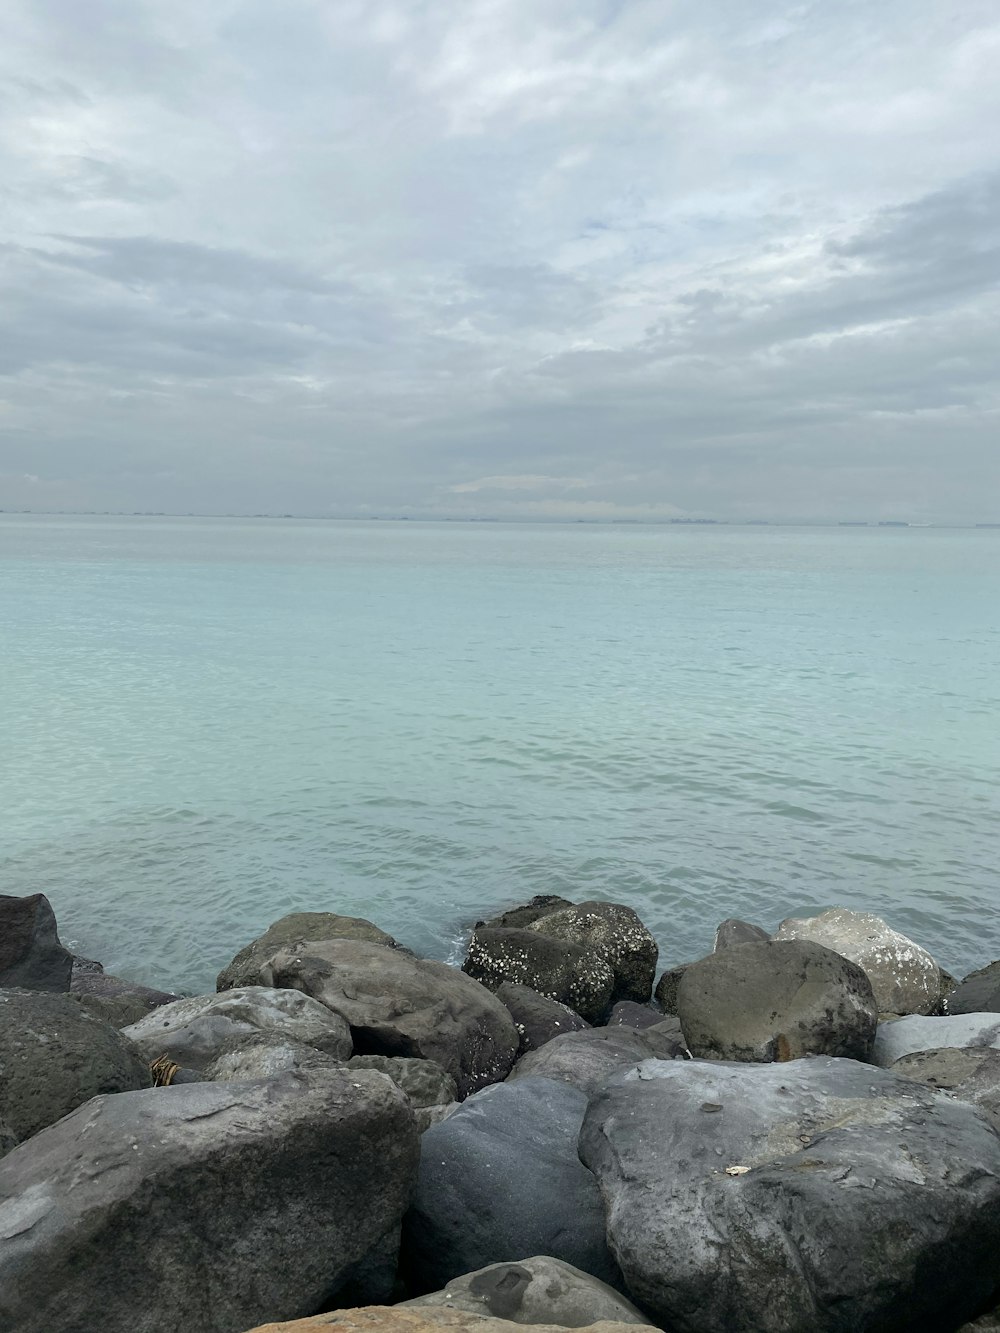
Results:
<point x="583" y="258"/>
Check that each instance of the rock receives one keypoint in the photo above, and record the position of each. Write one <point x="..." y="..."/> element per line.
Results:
<point x="207" y="1207"/>
<point x="265" y="1055"/>
<point x="562" y="971"/>
<point x="817" y="1195"/>
<point x="31" y="956"/>
<point x="776" y="1001"/>
<point x="194" y="1031"/>
<point x="537" y="1018"/>
<point x="500" y="1180"/>
<point x="914" y="1032"/>
<point x="904" y="977"/>
<point x="400" y="1005"/>
<point x="298" y="927"/>
<point x="614" y="934"/>
<point x="589" y="1059"/>
<point x="8" y="1139"/>
<point x="628" y="1014"/>
<point x="732" y="932"/>
<point x="972" y="1074"/>
<point x="543" y="904"/>
<point x="117" y="1001"/>
<point x="54" y="1056"/>
<point x="665" y="994"/>
<point x="539" y="1290"/>
<point x="398" y="1319"/>
<point x="978" y="993"/>
<point x="431" y="1089"/>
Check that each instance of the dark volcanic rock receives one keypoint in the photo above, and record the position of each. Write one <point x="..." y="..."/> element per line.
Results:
<point x="628" y="1014"/>
<point x="31" y="956"/>
<point x="400" y="1005"/>
<point x="589" y="1059"/>
<point x="54" y="1056"/>
<point x="117" y="1001"/>
<point x="614" y="934"/>
<point x="972" y="1074"/>
<point x="732" y="931"/>
<point x="208" y="1207"/>
<point x="978" y="993"/>
<point x="246" y="969"/>
<point x="543" y="904"/>
<point x="822" y="1196"/>
<point x="500" y="1179"/>
<point x="776" y="1001"/>
<point x="8" y="1139"/>
<point x="665" y="994"/>
<point x="537" y="1018"/>
<point x="563" y="971"/>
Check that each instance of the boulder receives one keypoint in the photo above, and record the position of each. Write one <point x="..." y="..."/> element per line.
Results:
<point x="431" y="1089"/>
<point x="207" y="1207"/>
<point x="397" y="1319"/>
<point x="978" y="993"/>
<point x="613" y="933"/>
<point x="193" y="1032"/>
<point x="400" y="1005"/>
<point x="776" y="1001"/>
<point x="537" y="1018"/>
<point x="589" y="1059"/>
<point x="265" y="1055"/>
<point x="8" y="1139"/>
<point x="298" y="927"/>
<point x="54" y="1056"/>
<point x="665" y="993"/>
<point x="559" y="969"/>
<point x="31" y="956"/>
<point x="539" y="1290"/>
<point x="543" y="904"/>
<point x="821" y="1196"/>
<point x="914" y="1032"/>
<point x="904" y="977"/>
<point x="628" y="1014"/>
<point x="499" y="1180"/>
<point x="733" y="931"/>
<point x="972" y="1074"/>
<point x="117" y="1001"/>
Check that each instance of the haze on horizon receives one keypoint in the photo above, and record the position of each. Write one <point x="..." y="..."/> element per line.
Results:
<point x="559" y="259"/>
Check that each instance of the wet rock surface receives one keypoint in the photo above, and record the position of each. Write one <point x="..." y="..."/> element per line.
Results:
<point x="31" y="955"/>
<point x="612" y="933"/>
<point x="559" y="969"/>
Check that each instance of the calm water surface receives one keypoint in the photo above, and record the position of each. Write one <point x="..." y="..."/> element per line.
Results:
<point x="208" y="723"/>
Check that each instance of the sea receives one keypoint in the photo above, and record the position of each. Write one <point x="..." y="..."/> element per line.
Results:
<point x="207" y="723"/>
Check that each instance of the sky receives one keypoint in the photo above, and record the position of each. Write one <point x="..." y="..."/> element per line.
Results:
<point x="602" y="259"/>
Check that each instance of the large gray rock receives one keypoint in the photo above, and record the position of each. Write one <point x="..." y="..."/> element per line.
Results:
<point x="978" y="993"/>
<point x="246" y="969"/>
<point x="209" y="1207"/>
<point x="537" y="1018"/>
<point x="589" y="1059"/>
<point x="54" y="1056"/>
<point x="667" y="987"/>
<point x="559" y="969"/>
<point x="431" y="1089"/>
<point x="821" y="1196"/>
<point x="400" y="1005"/>
<point x="776" y="1001"/>
<point x="117" y="1001"/>
<point x="914" y="1032"/>
<point x="629" y="1014"/>
<point x="265" y="1055"/>
<point x="539" y="1290"/>
<point x="193" y="1032"/>
<point x="972" y="1074"/>
<point x="613" y="933"/>
<point x="904" y="977"/>
<point x="500" y="1179"/>
<point x="733" y="931"/>
<point x="30" y="953"/>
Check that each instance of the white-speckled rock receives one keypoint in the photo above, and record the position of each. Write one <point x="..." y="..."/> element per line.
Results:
<point x="904" y="977"/>
<point x="903" y="1036"/>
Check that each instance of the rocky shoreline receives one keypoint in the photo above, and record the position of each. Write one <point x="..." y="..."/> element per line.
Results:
<point x="797" y="1132"/>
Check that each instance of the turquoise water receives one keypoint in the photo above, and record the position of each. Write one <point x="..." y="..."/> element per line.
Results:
<point x="207" y="723"/>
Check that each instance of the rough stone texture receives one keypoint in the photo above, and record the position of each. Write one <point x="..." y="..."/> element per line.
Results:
<point x="8" y="1139"/>
<point x="194" y="1031"/>
<point x="665" y="993"/>
<point x="537" y="1018"/>
<point x="839" y="1197"/>
<point x="628" y="1014"/>
<point x="978" y="993"/>
<point x="30" y="953"/>
<point x="398" y="1319"/>
<point x="904" y="977"/>
<point x="298" y="927"/>
<point x="588" y="1060"/>
<point x="54" y="1056"/>
<point x="615" y="934"/>
<point x="117" y="1001"/>
<point x="400" y="1005"/>
<point x="987" y="1323"/>
<point x="559" y="969"/>
<point x="912" y="1033"/>
<point x="265" y="1055"/>
<point x="972" y="1074"/>
<point x="540" y="1290"/>
<point x="432" y="1091"/>
<point x="776" y="1001"/>
<point x="543" y="904"/>
<point x="733" y="931"/>
<point x="208" y="1207"/>
<point x="499" y="1180"/>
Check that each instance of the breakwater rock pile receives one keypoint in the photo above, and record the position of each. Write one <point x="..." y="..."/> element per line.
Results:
<point x="799" y="1132"/>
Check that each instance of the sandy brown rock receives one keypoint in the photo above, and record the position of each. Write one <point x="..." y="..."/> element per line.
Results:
<point x="396" y="1319"/>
